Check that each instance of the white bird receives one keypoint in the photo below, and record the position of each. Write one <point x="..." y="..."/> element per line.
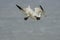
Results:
<point x="36" y="14"/>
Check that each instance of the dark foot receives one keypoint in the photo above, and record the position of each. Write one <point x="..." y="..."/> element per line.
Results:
<point x="38" y="18"/>
<point x="25" y="18"/>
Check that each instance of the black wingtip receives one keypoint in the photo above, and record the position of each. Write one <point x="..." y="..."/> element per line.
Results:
<point x="38" y="18"/>
<point x="26" y="18"/>
<point x="19" y="7"/>
<point x="41" y="8"/>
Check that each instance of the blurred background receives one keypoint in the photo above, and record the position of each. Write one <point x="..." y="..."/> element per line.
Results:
<point x="14" y="27"/>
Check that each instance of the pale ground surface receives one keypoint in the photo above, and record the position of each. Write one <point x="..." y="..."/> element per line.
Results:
<point x="13" y="26"/>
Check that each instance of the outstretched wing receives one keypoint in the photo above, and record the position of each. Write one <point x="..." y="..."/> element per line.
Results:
<point x="24" y="10"/>
<point x="39" y="10"/>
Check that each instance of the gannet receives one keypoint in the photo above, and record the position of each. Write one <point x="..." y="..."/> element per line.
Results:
<point x="36" y="14"/>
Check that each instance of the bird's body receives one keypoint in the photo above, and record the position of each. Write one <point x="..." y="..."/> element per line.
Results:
<point x="30" y="13"/>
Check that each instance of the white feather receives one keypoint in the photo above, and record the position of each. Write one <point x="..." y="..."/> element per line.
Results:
<point x="33" y="14"/>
